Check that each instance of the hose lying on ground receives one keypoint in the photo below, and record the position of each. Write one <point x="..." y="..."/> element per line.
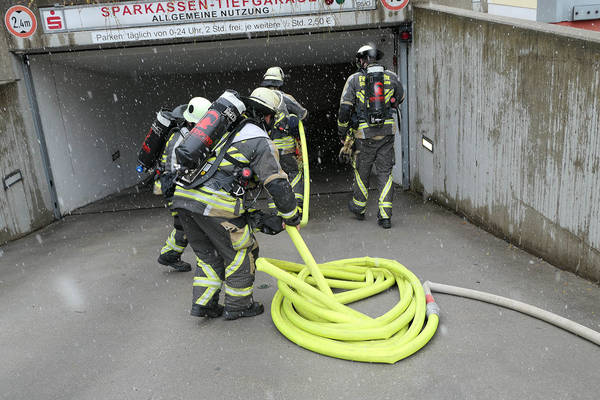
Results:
<point x="524" y="308"/>
<point x="308" y="313"/>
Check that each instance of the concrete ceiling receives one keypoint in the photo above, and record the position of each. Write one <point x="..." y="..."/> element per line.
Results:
<point x="227" y="55"/>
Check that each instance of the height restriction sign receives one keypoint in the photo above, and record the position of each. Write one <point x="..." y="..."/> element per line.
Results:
<point x="20" y="21"/>
<point x="394" y="5"/>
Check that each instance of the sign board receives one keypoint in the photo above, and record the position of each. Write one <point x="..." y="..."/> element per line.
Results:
<point x="20" y="21"/>
<point x="394" y="5"/>
<point x="210" y="29"/>
<point x="176" y="12"/>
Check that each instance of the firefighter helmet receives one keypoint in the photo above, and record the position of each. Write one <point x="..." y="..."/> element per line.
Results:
<point x="273" y="77"/>
<point x="263" y="101"/>
<point x="368" y="53"/>
<point x="196" y="109"/>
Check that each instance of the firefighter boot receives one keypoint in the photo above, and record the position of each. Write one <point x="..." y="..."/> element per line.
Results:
<point x="173" y="259"/>
<point x="385" y="223"/>
<point x="356" y="211"/>
<point x="212" y="310"/>
<point x="253" y="309"/>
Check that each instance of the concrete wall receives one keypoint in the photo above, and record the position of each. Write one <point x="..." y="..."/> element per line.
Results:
<point x="86" y="118"/>
<point x="26" y="205"/>
<point x="512" y="108"/>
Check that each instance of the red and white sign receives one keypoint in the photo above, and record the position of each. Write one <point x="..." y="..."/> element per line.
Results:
<point x="151" y="13"/>
<point x="394" y="5"/>
<point x="53" y="20"/>
<point x="20" y="21"/>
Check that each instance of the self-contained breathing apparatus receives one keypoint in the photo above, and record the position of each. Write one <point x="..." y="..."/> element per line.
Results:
<point x="376" y="106"/>
<point x="155" y="140"/>
<point x="199" y="145"/>
<point x="222" y="114"/>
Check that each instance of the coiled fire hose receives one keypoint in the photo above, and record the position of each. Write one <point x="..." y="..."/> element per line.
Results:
<point x="307" y="312"/>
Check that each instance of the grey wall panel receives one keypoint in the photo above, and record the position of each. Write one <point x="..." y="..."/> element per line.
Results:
<point x="26" y="205"/>
<point x="515" y="117"/>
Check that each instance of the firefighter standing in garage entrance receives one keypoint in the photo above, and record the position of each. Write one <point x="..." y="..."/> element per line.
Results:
<point x="285" y="131"/>
<point x="170" y="253"/>
<point x="373" y="93"/>
<point x="214" y="215"/>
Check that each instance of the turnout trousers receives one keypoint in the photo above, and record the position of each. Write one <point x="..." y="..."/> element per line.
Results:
<point x="225" y="254"/>
<point x="377" y="157"/>
<point x="177" y="241"/>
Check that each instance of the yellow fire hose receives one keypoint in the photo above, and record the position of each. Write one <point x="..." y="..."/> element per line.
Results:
<point x="306" y="173"/>
<point x="308" y="313"/>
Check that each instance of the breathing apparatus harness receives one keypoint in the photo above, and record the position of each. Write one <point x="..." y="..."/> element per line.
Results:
<point x="376" y="108"/>
<point x="223" y="120"/>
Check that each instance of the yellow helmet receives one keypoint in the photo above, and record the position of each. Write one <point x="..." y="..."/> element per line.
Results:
<point x="196" y="108"/>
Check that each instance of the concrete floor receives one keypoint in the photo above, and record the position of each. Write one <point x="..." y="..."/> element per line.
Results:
<point x="87" y="313"/>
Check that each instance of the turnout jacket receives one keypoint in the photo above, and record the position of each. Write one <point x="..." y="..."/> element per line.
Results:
<point x="353" y="100"/>
<point x="281" y="133"/>
<point x="251" y="147"/>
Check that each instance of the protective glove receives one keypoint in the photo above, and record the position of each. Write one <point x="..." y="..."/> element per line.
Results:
<point x="293" y="123"/>
<point x="271" y="224"/>
<point x="346" y="152"/>
<point x="294" y="221"/>
<point x="167" y="183"/>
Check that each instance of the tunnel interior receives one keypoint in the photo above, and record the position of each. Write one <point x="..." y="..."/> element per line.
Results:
<point x="97" y="105"/>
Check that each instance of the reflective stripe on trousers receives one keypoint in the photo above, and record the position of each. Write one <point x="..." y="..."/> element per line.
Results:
<point x="175" y="242"/>
<point x="380" y="154"/>
<point x="226" y="250"/>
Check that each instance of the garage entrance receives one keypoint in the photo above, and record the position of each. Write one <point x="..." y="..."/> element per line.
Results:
<point x="96" y="105"/>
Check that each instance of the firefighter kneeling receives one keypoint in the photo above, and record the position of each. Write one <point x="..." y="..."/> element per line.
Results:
<point x="211" y="201"/>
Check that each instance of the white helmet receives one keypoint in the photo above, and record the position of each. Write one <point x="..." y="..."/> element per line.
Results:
<point x="368" y="52"/>
<point x="264" y="101"/>
<point x="196" y="108"/>
<point x="273" y="77"/>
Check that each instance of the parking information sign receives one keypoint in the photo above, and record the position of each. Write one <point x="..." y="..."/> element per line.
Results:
<point x="20" y="21"/>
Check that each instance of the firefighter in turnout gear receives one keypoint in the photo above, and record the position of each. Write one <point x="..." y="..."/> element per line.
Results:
<point x="285" y="131"/>
<point x="217" y="217"/>
<point x="373" y="93"/>
<point x="189" y="114"/>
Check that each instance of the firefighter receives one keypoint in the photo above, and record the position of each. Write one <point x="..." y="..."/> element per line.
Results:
<point x="373" y="93"/>
<point x="285" y="131"/>
<point x="189" y="114"/>
<point x="215" y="216"/>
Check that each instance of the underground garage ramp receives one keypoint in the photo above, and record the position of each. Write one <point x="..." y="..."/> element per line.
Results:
<point x="96" y="105"/>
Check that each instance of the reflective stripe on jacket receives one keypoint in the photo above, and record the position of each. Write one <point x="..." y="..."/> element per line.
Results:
<point x="353" y="100"/>
<point x="251" y="146"/>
